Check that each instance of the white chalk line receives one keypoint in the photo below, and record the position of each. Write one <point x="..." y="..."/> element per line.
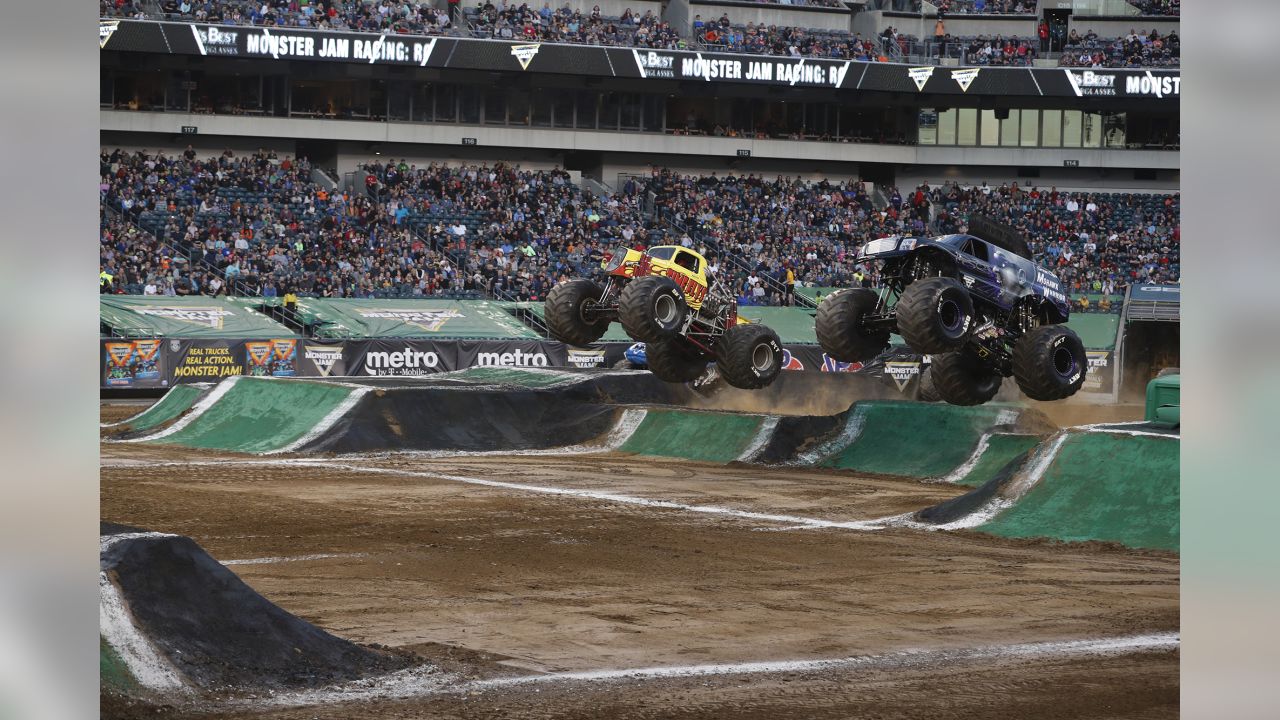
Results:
<point x="197" y="410"/>
<point x="762" y="437"/>
<point x="624" y="499"/>
<point x="339" y="464"/>
<point x="959" y="473"/>
<point x="902" y="659"/>
<point x="425" y="681"/>
<point x="328" y="421"/>
<point x="293" y="558"/>
<point x="1023" y="481"/>
<point x="144" y="662"/>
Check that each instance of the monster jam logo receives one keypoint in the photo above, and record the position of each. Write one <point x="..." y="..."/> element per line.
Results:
<point x="920" y="76"/>
<point x="790" y="362"/>
<point x="902" y="372"/>
<point x="515" y="358"/>
<point x="586" y="358"/>
<point x="429" y="320"/>
<point x="400" y="362"/>
<point x="652" y="64"/>
<point x="106" y="28"/>
<point x="203" y="316"/>
<point x="524" y="54"/>
<point x="1151" y="85"/>
<point x="964" y="78"/>
<point x="325" y="358"/>
<point x="213" y="41"/>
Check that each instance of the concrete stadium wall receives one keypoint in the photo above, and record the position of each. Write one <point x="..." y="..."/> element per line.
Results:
<point x="517" y="140"/>
<point x="170" y="143"/>
<point x="1062" y="178"/>
<point x="747" y="12"/>
<point x="353" y="155"/>
<point x="960" y="26"/>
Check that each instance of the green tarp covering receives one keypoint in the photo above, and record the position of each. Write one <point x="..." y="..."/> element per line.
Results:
<point x="1096" y="330"/>
<point x="189" y="317"/>
<point x="1115" y="488"/>
<point x="350" y="318"/>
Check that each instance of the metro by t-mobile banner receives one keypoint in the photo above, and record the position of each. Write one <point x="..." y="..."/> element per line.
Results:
<point x="427" y="357"/>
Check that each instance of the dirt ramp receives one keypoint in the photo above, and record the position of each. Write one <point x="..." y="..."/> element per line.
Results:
<point x="1081" y="485"/>
<point x="176" y="620"/>
<point x="172" y="405"/>
<point x="465" y="419"/>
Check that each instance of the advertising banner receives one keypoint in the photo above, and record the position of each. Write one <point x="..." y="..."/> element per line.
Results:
<point x="1101" y="372"/>
<point x="275" y="44"/>
<point x="133" y="364"/>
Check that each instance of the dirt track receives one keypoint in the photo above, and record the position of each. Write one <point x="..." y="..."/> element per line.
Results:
<point x="494" y="581"/>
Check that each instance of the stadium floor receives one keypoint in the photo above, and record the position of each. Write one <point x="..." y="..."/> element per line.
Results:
<point x="509" y="572"/>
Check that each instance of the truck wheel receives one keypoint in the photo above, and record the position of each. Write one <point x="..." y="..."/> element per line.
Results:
<point x="749" y="356"/>
<point x="935" y="315"/>
<point x="566" y="319"/>
<point x="652" y="308"/>
<point x="962" y="379"/>
<point x="675" y="360"/>
<point x="926" y="390"/>
<point x="1049" y="363"/>
<point x="839" y="328"/>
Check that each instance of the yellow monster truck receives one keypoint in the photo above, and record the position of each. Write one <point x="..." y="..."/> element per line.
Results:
<point x="663" y="298"/>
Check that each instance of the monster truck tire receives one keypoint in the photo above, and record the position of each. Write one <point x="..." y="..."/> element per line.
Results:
<point x="749" y="356"/>
<point x="962" y="379"/>
<point x="926" y="391"/>
<point x="935" y="315"/>
<point x="652" y="308"/>
<point x="839" y="329"/>
<point x="675" y="360"/>
<point x="564" y="310"/>
<point x="1050" y="363"/>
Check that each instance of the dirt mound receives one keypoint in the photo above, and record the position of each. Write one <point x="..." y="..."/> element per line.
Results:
<point x="200" y="625"/>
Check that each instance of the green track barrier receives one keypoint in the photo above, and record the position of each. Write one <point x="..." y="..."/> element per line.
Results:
<point x="178" y="400"/>
<point x="258" y="415"/>
<point x="1000" y="450"/>
<point x="1101" y="486"/>
<point x="111" y="669"/>
<point x="705" y="436"/>
<point x="516" y="376"/>
<point x="914" y="439"/>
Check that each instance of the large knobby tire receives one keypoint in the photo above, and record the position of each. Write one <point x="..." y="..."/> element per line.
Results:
<point x="926" y="390"/>
<point x="652" y="308"/>
<point x="935" y="315"/>
<point x="564" y="308"/>
<point x="963" y="379"/>
<point x="749" y="356"/>
<point x="1049" y="363"/>
<point x="675" y="360"/>
<point x="839" y="327"/>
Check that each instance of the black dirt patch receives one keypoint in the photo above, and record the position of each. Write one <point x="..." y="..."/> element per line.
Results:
<point x="219" y="632"/>
<point x="958" y="507"/>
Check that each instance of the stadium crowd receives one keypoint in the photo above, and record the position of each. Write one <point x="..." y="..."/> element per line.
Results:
<point x="522" y="22"/>
<point x="257" y="224"/>
<point x="1134" y="50"/>
<point x="986" y="7"/>
<point x="398" y="16"/>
